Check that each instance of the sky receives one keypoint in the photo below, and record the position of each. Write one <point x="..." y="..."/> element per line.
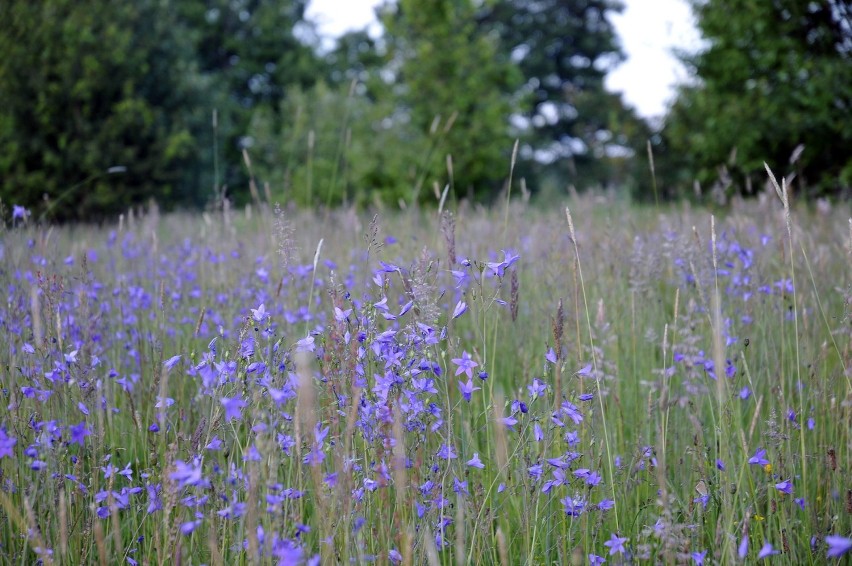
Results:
<point x="646" y="79"/>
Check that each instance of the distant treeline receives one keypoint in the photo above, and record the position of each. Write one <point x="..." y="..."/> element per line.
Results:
<point x="104" y="105"/>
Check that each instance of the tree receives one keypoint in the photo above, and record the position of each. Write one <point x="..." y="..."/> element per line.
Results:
<point x="88" y="85"/>
<point x="251" y="52"/>
<point x="576" y="131"/>
<point x="776" y="74"/>
<point x="340" y="146"/>
<point x="452" y="82"/>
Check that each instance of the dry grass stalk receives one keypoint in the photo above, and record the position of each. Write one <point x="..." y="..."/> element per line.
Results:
<point x="502" y="548"/>
<point x="558" y="329"/>
<point x="252" y="516"/>
<point x="38" y="333"/>
<point x="103" y="558"/>
<point x="63" y="524"/>
<point x="448" y="229"/>
<point x="514" y="298"/>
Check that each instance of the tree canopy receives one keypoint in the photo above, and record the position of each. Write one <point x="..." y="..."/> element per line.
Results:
<point x="775" y="77"/>
<point x="105" y="105"/>
<point x="89" y="88"/>
<point x="574" y="130"/>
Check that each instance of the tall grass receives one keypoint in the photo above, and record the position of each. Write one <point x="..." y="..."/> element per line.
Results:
<point x="488" y="386"/>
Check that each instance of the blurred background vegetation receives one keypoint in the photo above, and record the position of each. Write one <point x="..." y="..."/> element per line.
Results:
<point x="202" y="100"/>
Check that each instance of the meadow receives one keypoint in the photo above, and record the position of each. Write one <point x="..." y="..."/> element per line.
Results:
<point x="520" y="385"/>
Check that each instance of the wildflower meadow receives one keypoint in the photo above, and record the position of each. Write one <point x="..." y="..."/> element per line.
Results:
<point x="591" y="383"/>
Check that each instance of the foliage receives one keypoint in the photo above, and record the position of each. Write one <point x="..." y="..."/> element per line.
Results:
<point x="337" y="146"/>
<point x="774" y="75"/>
<point x="251" y="52"/>
<point x="89" y="85"/>
<point x="576" y="132"/>
<point x="450" y="78"/>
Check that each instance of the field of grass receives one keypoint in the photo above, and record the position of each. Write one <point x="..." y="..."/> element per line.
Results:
<point x="514" y="386"/>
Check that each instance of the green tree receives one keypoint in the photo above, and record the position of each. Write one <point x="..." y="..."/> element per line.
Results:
<point x="576" y="132"/>
<point x="340" y="146"/>
<point x="251" y="52"/>
<point x="776" y="74"/>
<point x="357" y="56"/>
<point x="452" y="82"/>
<point x="86" y="85"/>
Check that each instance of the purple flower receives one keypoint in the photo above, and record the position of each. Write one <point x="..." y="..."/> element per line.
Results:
<point x="785" y="486"/>
<point x="698" y="558"/>
<point x="467" y="389"/>
<point x="171" y="362"/>
<point x="759" y="458"/>
<point x="259" y="314"/>
<point x="19" y="212"/>
<point x="616" y="544"/>
<point x="537" y="388"/>
<point x="558" y="479"/>
<point x="405" y="308"/>
<point x="538" y="434"/>
<point x="595" y="560"/>
<point x="572" y="412"/>
<point x="306" y="344"/>
<point x="767" y="551"/>
<point x="742" y="551"/>
<point x="6" y="444"/>
<point x="593" y="479"/>
<point x="585" y="371"/>
<point x="838" y="545"/>
<point x="447" y="452"/>
<point x="187" y="474"/>
<point x="461" y="308"/>
<point x="606" y="504"/>
<point x="800" y="501"/>
<point x="475" y="462"/>
<point x="720" y="464"/>
<point x="574" y="506"/>
<point x="535" y="471"/>
<point x="154" y="503"/>
<point x="465" y="363"/>
<point x="233" y="407"/>
<point x="550" y="356"/>
<point x="703" y="500"/>
<point x="745" y="393"/>
<point x="341" y="315"/>
<point x="79" y="432"/>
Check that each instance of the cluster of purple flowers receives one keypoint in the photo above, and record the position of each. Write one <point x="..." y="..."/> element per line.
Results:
<point x="149" y="386"/>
